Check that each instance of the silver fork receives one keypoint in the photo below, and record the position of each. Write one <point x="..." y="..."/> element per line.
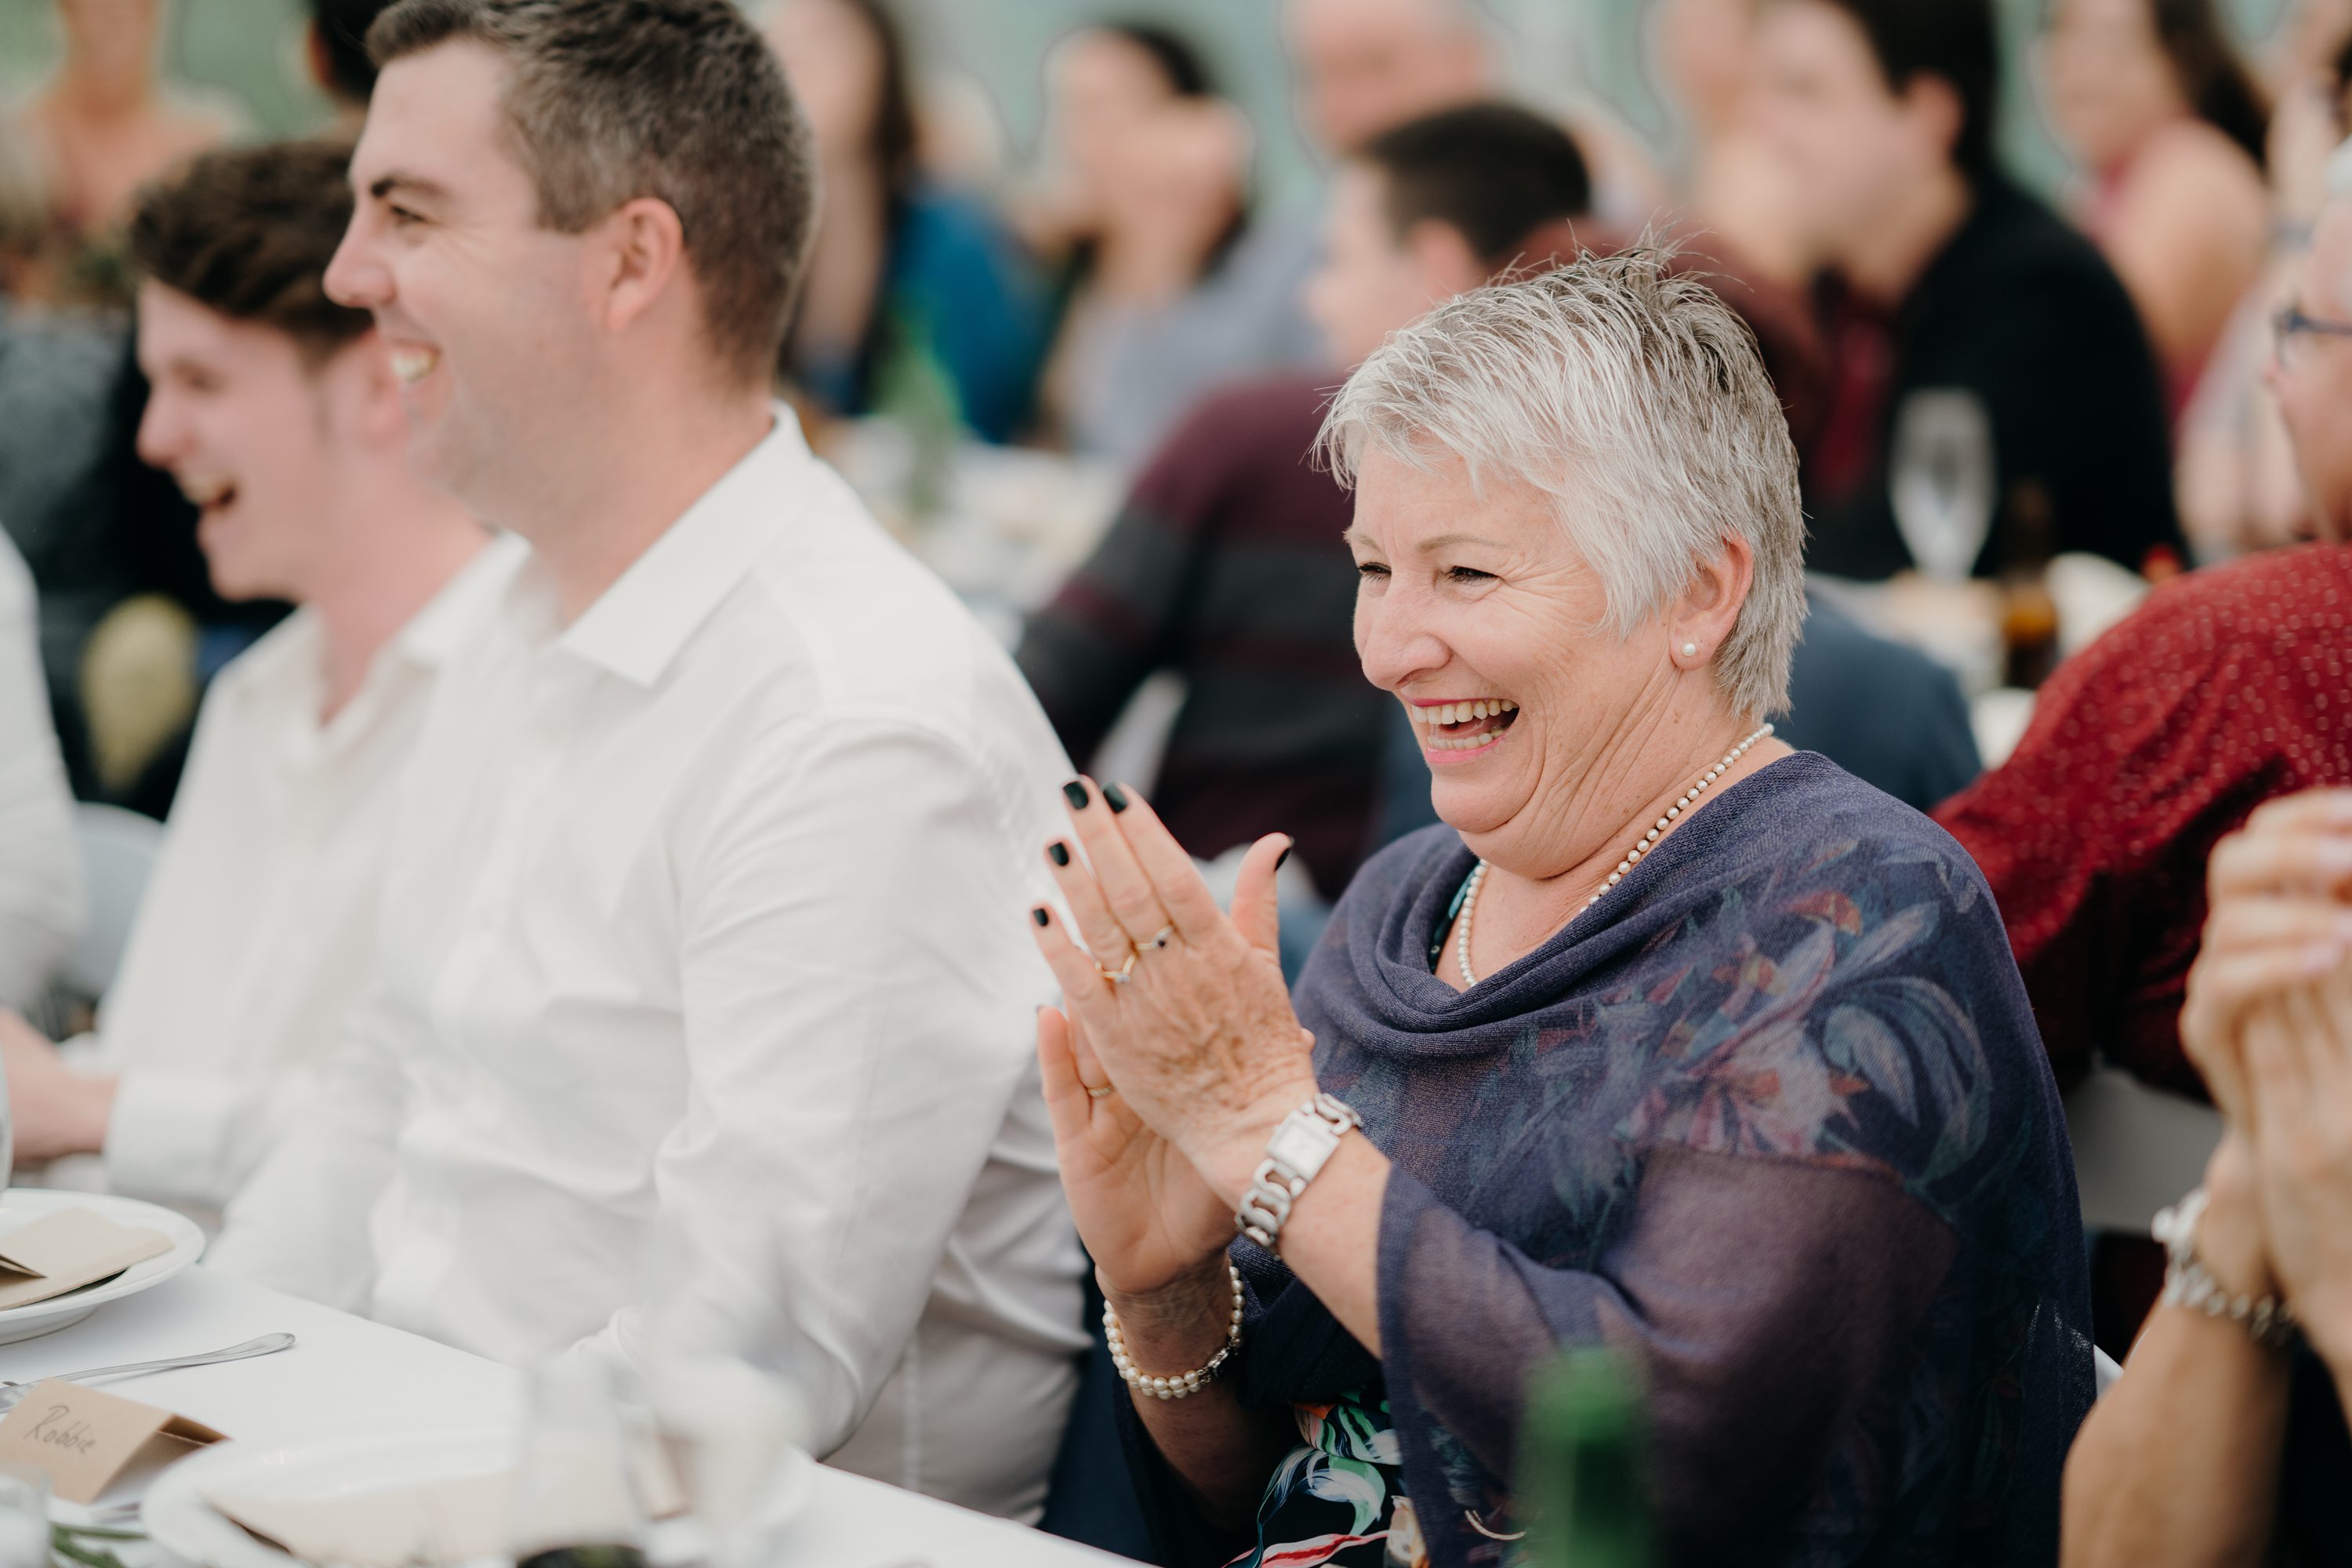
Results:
<point x="12" y="1393"/>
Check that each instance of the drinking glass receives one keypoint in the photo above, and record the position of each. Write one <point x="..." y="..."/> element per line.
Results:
<point x="7" y="1136"/>
<point x="1943" y="480"/>
<point x="24" y="1517"/>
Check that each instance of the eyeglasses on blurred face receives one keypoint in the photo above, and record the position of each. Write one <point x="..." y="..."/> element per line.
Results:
<point x="2291" y="332"/>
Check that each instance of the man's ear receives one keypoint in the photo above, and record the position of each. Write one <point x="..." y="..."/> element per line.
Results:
<point x="1444" y="258"/>
<point x="639" y="255"/>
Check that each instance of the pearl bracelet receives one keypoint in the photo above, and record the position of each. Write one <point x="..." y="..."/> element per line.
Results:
<point x="1184" y="1384"/>
<point x="2269" y="1321"/>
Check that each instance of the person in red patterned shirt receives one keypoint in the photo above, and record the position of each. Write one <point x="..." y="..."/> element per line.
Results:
<point x="2230" y="687"/>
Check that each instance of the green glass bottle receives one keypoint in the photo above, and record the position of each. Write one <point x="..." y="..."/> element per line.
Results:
<point x="913" y="390"/>
<point x="1584" y="1491"/>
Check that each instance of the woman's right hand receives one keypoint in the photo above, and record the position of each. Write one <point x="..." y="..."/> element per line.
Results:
<point x="1149" y="1221"/>
<point x="1152" y="1225"/>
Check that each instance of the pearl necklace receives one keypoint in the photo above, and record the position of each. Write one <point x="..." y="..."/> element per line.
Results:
<point x="1633" y="856"/>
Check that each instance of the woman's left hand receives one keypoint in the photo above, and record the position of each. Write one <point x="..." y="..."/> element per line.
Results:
<point x="2281" y="895"/>
<point x="2298" y="1067"/>
<point x="1199" y="1037"/>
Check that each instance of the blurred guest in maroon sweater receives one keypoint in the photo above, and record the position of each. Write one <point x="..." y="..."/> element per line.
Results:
<point x="1226" y="565"/>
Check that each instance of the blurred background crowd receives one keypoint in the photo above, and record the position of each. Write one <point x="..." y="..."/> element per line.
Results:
<point x="1088" y="271"/>
<point x="1053" y="229"/>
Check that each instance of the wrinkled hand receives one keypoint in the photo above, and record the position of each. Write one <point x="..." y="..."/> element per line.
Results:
<point x="56" y="1111"/>
<point x="2281" y="893"/>
<point x="1201" y="1041"/>
<point x="2298" y="1077"/>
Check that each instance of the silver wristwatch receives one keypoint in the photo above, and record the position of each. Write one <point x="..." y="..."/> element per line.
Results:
<point x="1294" y="1156"/>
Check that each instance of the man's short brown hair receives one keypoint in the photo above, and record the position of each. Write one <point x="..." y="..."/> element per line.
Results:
<point x="609" y="101"/>
<point x="249" y="233"/>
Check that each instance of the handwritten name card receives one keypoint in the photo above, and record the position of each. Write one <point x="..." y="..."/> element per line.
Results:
<point x="83" y="1438"/>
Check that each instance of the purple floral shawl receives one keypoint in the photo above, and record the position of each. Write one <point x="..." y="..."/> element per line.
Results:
<point x="1773" y="1120"/>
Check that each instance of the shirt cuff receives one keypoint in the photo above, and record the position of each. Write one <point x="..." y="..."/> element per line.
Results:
<point x="166" y="1137"/>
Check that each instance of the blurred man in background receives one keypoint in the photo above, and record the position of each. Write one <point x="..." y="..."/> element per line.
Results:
<point x="1362" y="67"/>
<point x="708" y="928"/>
<point x="335" y="48"/>
<point x="276" y="411"/>
<point x="1992" y="377"/>
<point x="1359" y="67"/>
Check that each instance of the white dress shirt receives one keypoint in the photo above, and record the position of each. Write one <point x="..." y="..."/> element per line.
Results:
<point x="707" y="920"/>
<point x="257" y="936"/>
<point x="40" y="873"/>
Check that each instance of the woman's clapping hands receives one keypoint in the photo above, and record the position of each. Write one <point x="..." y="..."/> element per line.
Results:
<point x="2281" y="919"/>
<point x="1196" y="1044"/>
<point x="2269" y="1023"/>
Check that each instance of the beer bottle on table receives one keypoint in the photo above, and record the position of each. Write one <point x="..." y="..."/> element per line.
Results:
<point x="1584" y="1488"/>
<point x="2029" y="614"/>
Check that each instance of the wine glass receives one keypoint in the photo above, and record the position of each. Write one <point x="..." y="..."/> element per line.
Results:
<point x="24" y="1517"/>
<point x="1943" y="480"/>
<point x="725" y="1397"/>
<point x="576" y="1500"/>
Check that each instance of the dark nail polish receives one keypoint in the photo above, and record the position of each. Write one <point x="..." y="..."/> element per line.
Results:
<point x="1059" y="852"/>
<point x="1283" y="856"/>
<point x="1074" y="792"/>
<point x="1041" y="917"/>
<point x="1115" y="797"/>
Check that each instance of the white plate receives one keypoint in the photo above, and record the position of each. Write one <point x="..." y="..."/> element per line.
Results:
<point x="182" y="1523"/>
<point x="20" y="1206"/>
<point x="178" y="1519"/>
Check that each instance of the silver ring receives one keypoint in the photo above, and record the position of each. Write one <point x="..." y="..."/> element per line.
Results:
<point x="1104" y="1092"/>
<point x="1123" y="974"/>
<point x="1161" y="937"/>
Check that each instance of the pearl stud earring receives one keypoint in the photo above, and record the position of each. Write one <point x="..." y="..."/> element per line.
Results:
<point x="1690" y="650"/>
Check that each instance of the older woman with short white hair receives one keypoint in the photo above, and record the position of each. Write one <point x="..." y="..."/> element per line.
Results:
<point x="1668" y="1038"/>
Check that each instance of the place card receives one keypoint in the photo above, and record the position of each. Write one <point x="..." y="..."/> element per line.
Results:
<point x="83" y="1438"/>
<point x="69" y="1249"/>
<point x="440" y="1522"/>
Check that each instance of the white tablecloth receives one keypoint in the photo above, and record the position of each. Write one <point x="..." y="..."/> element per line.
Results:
<point x="349" y="1375"/>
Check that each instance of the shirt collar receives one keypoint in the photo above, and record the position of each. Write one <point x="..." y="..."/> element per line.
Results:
<point x="638" y="625"/>
<point x="292" y="659"/>
<point x="435" y="634"/>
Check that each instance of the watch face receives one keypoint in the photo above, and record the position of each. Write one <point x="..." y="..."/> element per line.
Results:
<point x="1302" y="1144"/>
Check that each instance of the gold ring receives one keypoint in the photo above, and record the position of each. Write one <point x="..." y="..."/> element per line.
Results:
<point x="1104" y="1092"/>
<point x="1161" y="937"/>
<point x="1123" y="974"/>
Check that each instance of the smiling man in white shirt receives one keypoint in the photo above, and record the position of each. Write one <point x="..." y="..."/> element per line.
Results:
<point x="707" y="913"/>
<point x="276" y="410"/>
